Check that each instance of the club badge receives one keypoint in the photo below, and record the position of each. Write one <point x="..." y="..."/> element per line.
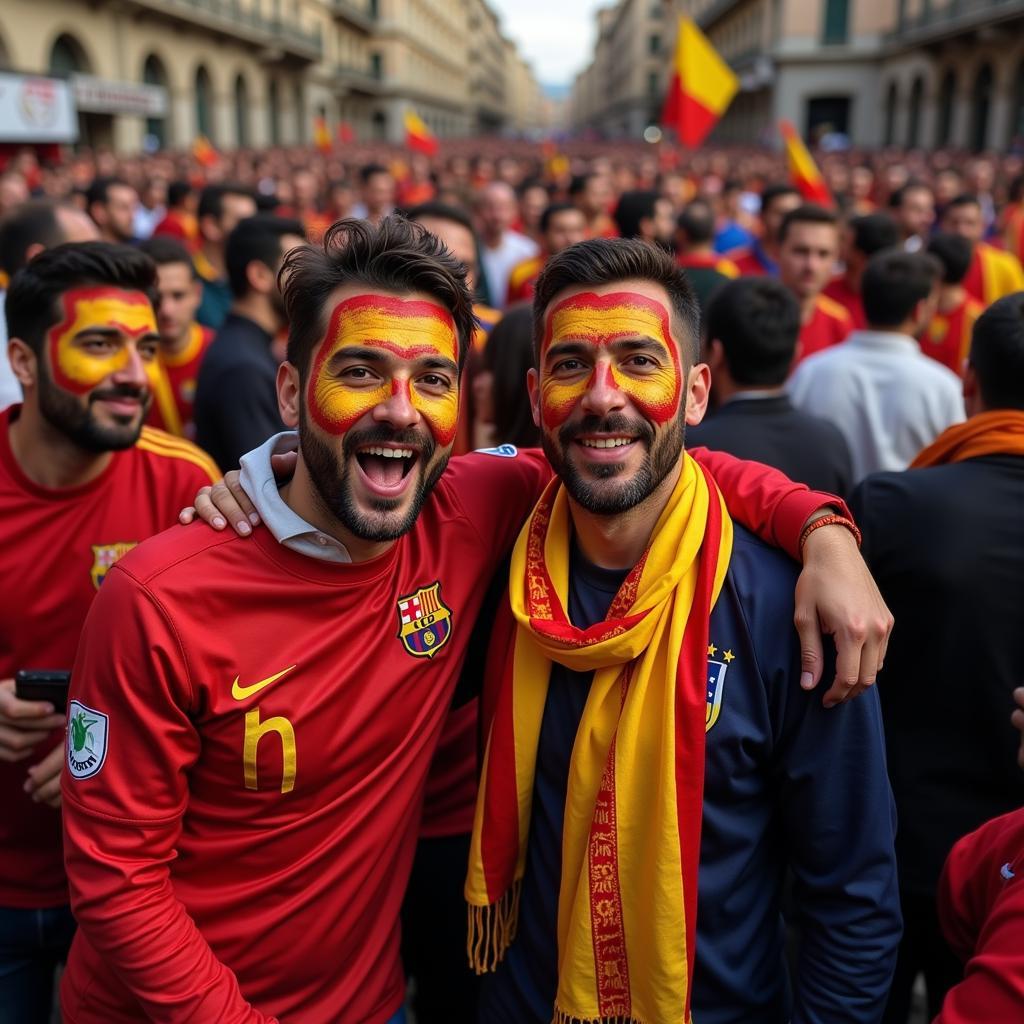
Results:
<point x="424" y="621"/>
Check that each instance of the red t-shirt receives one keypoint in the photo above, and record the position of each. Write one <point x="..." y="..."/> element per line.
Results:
<point x="829" y="325"/>
<point x="839" y="290"/>
<point x="947" y="339"/>
<point x="981" y="909"/>
<point x="749" y="263"/>
<point x="522" y="281"/>
<point x="172" y="408"/>
<point x="57" y="547"/>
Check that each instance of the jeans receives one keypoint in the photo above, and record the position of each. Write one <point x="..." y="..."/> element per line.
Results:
<point x="32" y="944"/>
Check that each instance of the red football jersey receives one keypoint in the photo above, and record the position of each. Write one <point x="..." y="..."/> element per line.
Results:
<point x="58" y="546"/>
<point x="947" y="338"/>
<point x="839" y="290"/>
<point x="829" y="325"/>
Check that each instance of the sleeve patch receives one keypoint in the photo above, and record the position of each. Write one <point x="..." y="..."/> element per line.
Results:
<point x="503" y="451"/>
<point x="86" y="740"/>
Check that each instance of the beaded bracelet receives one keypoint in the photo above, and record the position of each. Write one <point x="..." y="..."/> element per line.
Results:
<point x="832" y="519"/>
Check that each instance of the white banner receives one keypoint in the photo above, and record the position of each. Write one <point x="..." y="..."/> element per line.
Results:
<point x="102" y="96"/>
<point x="36" y="109"/>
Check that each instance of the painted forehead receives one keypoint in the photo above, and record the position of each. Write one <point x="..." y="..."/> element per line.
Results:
<point x="409" y="328"/>
<point x="603" y="319"/>
<point x="104" y="306"/>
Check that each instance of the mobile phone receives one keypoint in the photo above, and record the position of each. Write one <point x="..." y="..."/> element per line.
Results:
<point x="43" y="684"/>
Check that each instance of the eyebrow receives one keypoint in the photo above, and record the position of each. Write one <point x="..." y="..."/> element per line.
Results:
<point x="113" y="332"/>
<point x="641" y="343"/>
<point x="376" y="355"/>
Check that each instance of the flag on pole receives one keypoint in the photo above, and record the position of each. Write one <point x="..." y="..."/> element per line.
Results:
<point x="701" y="87"/>
<point x="203" y="151"/>
<point x="321" y="135"/>
<point x="418" y="137"/>
<point x="802" y="169"/>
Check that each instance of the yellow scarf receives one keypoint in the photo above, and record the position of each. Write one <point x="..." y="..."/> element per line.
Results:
<point x="627" y="905"/>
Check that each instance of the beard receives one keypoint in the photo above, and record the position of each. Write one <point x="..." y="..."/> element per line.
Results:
<point x="78" y="423"/>
<point x="601" y="496"/>
<point x="332" y="482"/>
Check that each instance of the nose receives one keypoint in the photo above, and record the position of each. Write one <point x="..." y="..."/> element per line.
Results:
<point x="134" y="371"/>
<point x="398" y="409"/>
<point x="602" y="395"/>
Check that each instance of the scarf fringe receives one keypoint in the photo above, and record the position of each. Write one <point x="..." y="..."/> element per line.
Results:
<point x="492" y="929"/>
<point x="561" y="1017"/>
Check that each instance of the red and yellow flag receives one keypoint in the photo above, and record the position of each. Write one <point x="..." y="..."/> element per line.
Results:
<point x="418" y="137"/>
<point x="345" y="133"/>
<point x="701" y="88"/>
<point x="802" y="169"/>
<point x="203" y="151"/>
<point x="321" y="135"/>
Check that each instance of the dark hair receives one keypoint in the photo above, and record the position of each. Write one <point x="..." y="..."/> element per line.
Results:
<point x="178" y="192"/>
<point x="163" y="249"/>
<point x="256" y="239"/>
<point x="806" y="214"/>
<point x="894" y="282"/>
<point x="508" y="356"/>
<point x="632" y="208"/>
<point x="997" y="353"/>
<point x="369" y="170"/>
<point x="31" y="223"/>
<point x="33" y="305"/>
<point x="874" y="232"/>
<point x="772" y="192"/>
<point x="99" y="190"/>
<point x="914" y="185"/>
<point x="1016" y="190"/>
<point x="579" y="183"/>
<point x="757" y="321"/>
<point x="395" y="256"/>
<point x="954" y="252"/>
<point x="964" y="199"/>
<point x="551" y="211"/>
<point x="697" y="221"/>
<point x="442" y="211"/>
<point x="211" y="199"/>
<point x="600" y="261"/>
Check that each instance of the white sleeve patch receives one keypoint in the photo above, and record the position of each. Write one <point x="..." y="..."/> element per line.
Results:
<point x="503" y="451"/>
<point x="86" y="740"/>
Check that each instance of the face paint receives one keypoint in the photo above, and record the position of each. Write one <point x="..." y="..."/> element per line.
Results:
<point x="77" y="370"/>
<point x="601" y="320"/>
<point x="406" y="329"/>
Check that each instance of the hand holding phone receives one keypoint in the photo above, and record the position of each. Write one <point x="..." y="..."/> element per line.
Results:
<point x="40" y="684"/>
<point x="24" y="723"/>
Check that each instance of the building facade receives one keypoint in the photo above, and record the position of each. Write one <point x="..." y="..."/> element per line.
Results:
<point x="159" y="73"/>
<point x="882" y="72"/>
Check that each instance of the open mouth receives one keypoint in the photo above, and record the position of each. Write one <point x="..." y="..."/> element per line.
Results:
<point x="386" y="469"/>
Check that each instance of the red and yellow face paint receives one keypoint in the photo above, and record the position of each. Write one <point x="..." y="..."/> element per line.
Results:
<point x="76" y="369"/>
<point x="408" y="329"/>
<point x="601" y="320"/>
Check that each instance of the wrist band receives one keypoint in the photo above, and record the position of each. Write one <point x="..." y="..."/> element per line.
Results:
<point x="831" y="519"/>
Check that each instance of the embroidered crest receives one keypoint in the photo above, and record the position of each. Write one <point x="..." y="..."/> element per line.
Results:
<point x="87" y="740"/>
<point x="716" y="686"/>
<point x="424" y="621"/>
<point x="503" y="451"/>
<point x="104" y="556"/>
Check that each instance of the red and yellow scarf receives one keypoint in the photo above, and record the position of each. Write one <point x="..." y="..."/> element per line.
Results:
<point x="627" y="905"/>
<point x="999" y="432"/>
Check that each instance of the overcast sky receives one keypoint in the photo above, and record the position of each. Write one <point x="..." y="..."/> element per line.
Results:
<point x="556" y="36"/>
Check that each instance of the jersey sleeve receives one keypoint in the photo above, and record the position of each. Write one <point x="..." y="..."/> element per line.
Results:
<point x="131" y="743"/>
<point x="766" y="501"/>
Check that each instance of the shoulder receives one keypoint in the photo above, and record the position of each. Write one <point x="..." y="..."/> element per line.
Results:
<point x="496" y="474"/>
<point x="181" y="549"/>
<point x="833" y="310"/>
<point x="486" y="316"/>
<point x="756" y="567"/>
<point x="175" y="455"/>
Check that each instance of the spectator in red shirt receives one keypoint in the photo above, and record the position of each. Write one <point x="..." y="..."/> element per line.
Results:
<point x="561" y="225"/>
<point x="947" y="338"/>
<point x="592" y="193"/>
<point x="180" y="219"/>
<point x="862" y="238"/>
<point x="913" y="206"/>
<point x="763" y="255"/>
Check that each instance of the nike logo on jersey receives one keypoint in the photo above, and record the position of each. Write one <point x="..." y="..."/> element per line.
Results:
<point x="1007" y="872"/>
<point x="245" y="692"/>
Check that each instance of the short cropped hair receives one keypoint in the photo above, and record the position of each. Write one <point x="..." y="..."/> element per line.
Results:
<point x="442" y="211"/>
<point x="99" y="190"/>
<point x="964" y="199"/>
<point x="33" y="298"/>
<point x="757" y="321"/>
<point x="632" y="208"/>
<point x="178" y="192"/>
<point x="551" y="211"/>
<point x="954" y="252"/>
<point x="697" y="220"/>
<point x="997" y="353"/>
<point x="600" y="261"/>
<point x="211" y="199"/>
<point x="369" y="170"/>
<point x="164" y="250"/>
<point x="809" y="213"/>
<point x="894" y="282"/>
<point x="31" y="223"/>
<point x="874" y="232"/>
<point x="256" y="239"/>
<point x="396" y="256"/>
<point x="772" y="192"/>
<point x="914" y="185"/>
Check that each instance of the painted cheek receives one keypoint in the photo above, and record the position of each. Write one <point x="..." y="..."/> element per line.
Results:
<point x="77" y="371"/>
<point x="336" y="409"/>
<point x="656" y="395"/>
<point x="557" y="400"/>
<point x="441" y="413"/>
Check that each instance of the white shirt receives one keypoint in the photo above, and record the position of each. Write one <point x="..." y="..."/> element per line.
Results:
<point x="498" y="264"/>
<point x="887" y="397"/>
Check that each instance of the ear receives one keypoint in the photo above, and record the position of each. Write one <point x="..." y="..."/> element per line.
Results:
<point x="260" y="277"/>
<point x="698" y="391"/>
<point x="533" y="387"/>
<point x="33" y="251"/>
<point x="210" y="229"/>
<point x="288" y="388"/>
<point x="23" y="363"/>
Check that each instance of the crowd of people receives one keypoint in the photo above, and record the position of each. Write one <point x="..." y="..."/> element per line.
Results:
<point x="611" y="541"/>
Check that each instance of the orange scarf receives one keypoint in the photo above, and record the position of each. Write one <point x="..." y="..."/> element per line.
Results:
<point x="627" y="904"/>
<point x="1000" y="432"/>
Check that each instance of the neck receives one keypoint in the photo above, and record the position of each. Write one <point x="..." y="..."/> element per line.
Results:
<point x="258" y="309"/>
<point x="853" y="276"/>
<point x="700" y="249"/>
<point x="301" y="496"/>
<point x="951" y="297"/>
<point x="175" y="346"/>
<point x="493" y="239"/>
<point x="619" y="541"/>
<point x="215" y="257"/>
<point x="807" y="308"/>
<point x="49" y="457"/>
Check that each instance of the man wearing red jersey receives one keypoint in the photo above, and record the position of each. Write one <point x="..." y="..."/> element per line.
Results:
<point x="183" y="341"/>
<point x="762" y="257"/>
<point x="862" y="238"/>
<point x="808" y="249"/>
<point x="947" y="338"/>
<point x="993" y="272"/>
<point x="79" y="486"/>
<point x="561" y="225"/>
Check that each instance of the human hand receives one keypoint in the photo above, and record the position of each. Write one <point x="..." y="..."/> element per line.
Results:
<point x="836" y="594"/>
<point x="23" y="723"/>
<point x="225" y="502"/>
<point x="1018" y="720"/>
<point x="43" y="783"/>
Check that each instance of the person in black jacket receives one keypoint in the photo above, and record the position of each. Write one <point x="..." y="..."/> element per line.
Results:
<point x="750" y="339"/>
<point x="236" y="395"/>
<point x="945" y="541"/>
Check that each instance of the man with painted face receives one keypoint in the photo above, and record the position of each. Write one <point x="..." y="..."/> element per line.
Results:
<point x="277" y="762"/>
<point x="653" y="636"/>
<point x="81" y="482"/>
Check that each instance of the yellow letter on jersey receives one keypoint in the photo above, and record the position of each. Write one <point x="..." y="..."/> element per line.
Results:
<point x="254" y="732"/>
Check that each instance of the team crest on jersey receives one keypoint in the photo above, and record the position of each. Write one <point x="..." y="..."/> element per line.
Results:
<point x="104" y="556"/>
<point x="503" y="451"/>
<point x="424" y="621"/>
<point x="87" y="740"/>
<point x="716" y="685"/>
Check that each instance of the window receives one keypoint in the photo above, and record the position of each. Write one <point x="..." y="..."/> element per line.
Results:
<point x="654" y="45"/>
<point x="837" y="22"/>
<point x="914" y="113"/>
<point x="947" y="97"/>
<point x="204" y="99"/>
<point x="154" y="73"/>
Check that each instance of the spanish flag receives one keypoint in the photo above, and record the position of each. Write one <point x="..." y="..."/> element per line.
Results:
<point x="701" y="89"/>
<point x="418" y="137"/>
<point x="802" y="169"/>
<point x="203" y="151"/>
<point x="321" y="135"/>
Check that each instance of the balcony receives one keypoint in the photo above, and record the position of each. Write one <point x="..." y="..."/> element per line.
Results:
<point x="355" y="14"/>
<point x="954" y="18"/>
<point x="361" y="81"/>
<point x="281" y="40"/>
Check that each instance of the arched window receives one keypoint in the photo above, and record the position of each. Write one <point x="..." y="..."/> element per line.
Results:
<point x="67" y="56"/>
<point x="204" y="103"/>
<point x="241" y="111"/>
<point x="274" y="111"/>
<point x="981" y="106"/>
<point x="947" y="97"/>
<point x="154" y="73"/>
<point x="914" y="113"/>
<point x="892" y="98"/>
